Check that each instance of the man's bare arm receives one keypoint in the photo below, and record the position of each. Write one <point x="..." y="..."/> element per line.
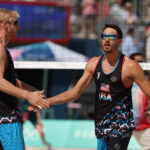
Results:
<point x="35" y="98"/>
<point x="6" y="86"/>
<point x="139" y="78"/>
<point x="79" y="88"/>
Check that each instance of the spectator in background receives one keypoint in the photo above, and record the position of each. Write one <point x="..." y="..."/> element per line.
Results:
<point x="75" y="18"/>
<point x="130" y="17"/>
<point x="147" y="17"/>
<point x="35" y="119"/>
<point x="147" y="33"/>
<point x="140" y="106"/>
<point x="128" y="45"/>
<point x="89" y="16"/>
<point x="82" y="115"/>
<point x="147" y="44"/>
<point x="117" y="13"/>
<point x="103" y="11"/>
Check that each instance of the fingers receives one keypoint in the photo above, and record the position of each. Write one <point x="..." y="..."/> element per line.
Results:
<point x="38" y="100"/>
<point x="30" y="108"/>
<point x="43" y="103"/>
<point x="33" y="108"/>
<point x="41" y="100"/>
<point x="40" y="92"/>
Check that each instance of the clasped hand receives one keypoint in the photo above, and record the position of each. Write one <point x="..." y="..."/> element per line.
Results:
<point x="37" y="100"/>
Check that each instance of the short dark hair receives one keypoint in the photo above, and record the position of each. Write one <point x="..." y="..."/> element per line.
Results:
<point x="117" y="28"/>
<point x="130" y="30"/>
<point x="135" y="54"/>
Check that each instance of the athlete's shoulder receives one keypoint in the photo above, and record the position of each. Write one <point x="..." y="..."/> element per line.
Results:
<point x="93" y="61"/>
<point x="130" y="64"/>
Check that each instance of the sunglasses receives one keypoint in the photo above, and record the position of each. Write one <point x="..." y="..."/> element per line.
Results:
<point x="16" y="22"/>
<point x="140" y="61"/>
<point x="110" y="36"/>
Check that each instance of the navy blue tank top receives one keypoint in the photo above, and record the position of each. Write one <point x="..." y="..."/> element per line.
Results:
<point x="113" y="102"/>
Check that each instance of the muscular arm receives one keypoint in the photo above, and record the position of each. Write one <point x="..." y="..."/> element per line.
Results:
<point x="6" y="86"/>
<point x="38" y="115"/>
<point x="141" y="80"/>
<point x="35" y="98"/>
<point x="136" y="74"/>
<point x="79" y="88"/>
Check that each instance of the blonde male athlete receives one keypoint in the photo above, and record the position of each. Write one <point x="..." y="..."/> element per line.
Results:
<point x="114" y="75"/>
<point x="11" y="137"/>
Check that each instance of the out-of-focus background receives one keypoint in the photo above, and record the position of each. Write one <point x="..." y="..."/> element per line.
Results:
<point x="55" y="40"/>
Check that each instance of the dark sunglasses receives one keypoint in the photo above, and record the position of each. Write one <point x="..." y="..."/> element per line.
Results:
<point x="140" y="61"/>
<point x="16" y="23"/>
<point x="111" y="36"/>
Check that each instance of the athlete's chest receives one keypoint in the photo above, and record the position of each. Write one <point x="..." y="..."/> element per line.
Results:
<point x="107" y="68"/>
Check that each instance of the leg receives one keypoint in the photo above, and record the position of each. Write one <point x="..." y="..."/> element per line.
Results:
<point x="101" y="144"/>
<point x="34" y="118"/>
<point x="11" y="136"/>
<point x="117" y="143"/>
<point x="39" y="128"/>
<point x="1" y="147"/>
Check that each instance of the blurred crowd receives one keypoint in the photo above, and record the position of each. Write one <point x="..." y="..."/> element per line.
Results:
<point x="89" y="16"/>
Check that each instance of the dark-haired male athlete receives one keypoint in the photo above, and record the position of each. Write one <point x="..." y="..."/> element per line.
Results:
<point x="114" y="75"/>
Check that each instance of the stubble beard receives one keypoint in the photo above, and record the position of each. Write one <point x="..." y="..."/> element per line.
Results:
<point x="107" y="51"/>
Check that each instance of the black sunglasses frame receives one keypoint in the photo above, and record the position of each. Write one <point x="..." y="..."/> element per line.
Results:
<point x="16" y="22"/>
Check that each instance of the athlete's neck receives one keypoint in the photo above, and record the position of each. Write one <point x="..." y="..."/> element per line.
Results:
<point x="4" y="38"/>
<point x="112" y="59"/>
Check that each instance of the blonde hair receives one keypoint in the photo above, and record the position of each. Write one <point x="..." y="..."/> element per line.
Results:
<point x="8" y="15"/>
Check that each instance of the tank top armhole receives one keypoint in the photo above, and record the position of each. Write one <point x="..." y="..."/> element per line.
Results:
<point x="121" y="74"/>
<point x="8" y="59"/>
<point x="96" y="64"/>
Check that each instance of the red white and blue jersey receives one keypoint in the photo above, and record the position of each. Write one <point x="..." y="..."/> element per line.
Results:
<point x="113" y="103"/>
<point x="140" y="105"/>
